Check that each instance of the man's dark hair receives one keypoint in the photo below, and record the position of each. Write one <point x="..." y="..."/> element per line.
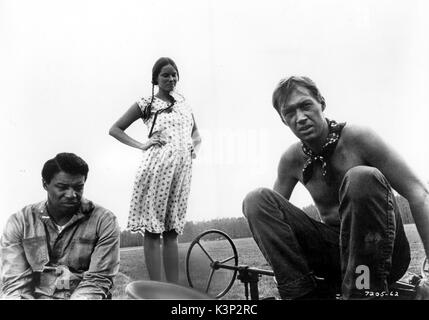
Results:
<point x="286" y="86"/>
<point x="67" y="162"/>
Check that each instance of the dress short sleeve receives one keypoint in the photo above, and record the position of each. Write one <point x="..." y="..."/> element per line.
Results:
<point x="142" y="103"/>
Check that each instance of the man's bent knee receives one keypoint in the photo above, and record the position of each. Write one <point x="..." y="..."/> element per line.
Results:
<point x="359" y="182"/>
<point x="253" y="200"/>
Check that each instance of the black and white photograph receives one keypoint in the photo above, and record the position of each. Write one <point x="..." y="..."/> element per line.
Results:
<point x="214" y="150"/>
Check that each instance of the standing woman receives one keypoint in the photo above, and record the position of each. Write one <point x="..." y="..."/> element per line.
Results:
<point x="161" y="188"/>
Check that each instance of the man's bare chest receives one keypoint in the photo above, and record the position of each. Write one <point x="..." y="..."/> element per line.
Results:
<point x="340" y="162"/>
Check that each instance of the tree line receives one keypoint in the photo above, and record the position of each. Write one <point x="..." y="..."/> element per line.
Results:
<point x="233" y="227"/>
<point x="238" y="228"/>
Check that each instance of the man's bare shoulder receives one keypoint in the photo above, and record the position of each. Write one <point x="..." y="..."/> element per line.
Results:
<point x="288" y="170"/>
<point x="358" y="136"/>
<point x="291" y="159"/>
<point x="293" y="154"/>
<point x="365" y="142"/>
<point x="355" y="133"/>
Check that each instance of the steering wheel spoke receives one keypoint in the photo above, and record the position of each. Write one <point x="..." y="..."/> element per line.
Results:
<point x="202" y="248"/>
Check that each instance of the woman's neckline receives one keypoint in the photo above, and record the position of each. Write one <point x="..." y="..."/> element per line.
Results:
<point x="178" y="98"/>
<point x="161" y="99"/>
<point x="165" y="101"/>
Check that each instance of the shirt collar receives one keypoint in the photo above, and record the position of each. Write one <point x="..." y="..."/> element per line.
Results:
<point x="85" y="209"/>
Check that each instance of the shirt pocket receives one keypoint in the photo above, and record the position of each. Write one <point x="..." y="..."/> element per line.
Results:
<point x="36" y="252"/>
<point x="81" y="250"/>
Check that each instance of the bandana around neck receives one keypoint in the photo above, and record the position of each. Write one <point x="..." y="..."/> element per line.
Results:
<point x="324" y="155"/>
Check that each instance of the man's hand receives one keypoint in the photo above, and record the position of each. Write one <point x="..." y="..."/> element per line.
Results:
<point x="422" y="289"/>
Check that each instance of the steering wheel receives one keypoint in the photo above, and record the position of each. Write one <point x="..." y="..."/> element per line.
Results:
<point x="216" y="250"/>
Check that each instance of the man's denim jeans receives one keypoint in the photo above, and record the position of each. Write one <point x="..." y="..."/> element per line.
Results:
<point x="300" y="248"/>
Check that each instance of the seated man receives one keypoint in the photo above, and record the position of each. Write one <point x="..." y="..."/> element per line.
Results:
<point x="63" y="247"/>
<point x="349" y="172"/>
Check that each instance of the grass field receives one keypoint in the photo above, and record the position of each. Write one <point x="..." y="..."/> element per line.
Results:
<point x="133" y="267"/>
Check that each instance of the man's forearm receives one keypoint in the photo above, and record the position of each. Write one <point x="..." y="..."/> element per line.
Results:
<point x="16" y="287"/>
<point x="17" y="296"/>
<point x="16" y="275"/>
<point x="93" y="287"/>
<point x="98" y="280"/>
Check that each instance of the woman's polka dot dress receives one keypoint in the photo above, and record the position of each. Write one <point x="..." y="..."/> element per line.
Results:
<point x="162" y="183"/>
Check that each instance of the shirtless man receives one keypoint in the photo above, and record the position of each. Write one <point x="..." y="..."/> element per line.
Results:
<point x="350" y="172"/>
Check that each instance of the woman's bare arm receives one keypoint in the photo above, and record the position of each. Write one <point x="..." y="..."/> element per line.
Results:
<point x="129" y="117"/>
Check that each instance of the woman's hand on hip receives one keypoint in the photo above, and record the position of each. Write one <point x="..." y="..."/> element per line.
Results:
<point x="157" y="139"/>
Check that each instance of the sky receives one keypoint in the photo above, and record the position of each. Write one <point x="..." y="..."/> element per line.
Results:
<point x="70" y="69"/>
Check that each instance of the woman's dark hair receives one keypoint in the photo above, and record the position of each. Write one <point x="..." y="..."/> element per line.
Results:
<point x="159" y="64"/>
<point x="67" y="162"/>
